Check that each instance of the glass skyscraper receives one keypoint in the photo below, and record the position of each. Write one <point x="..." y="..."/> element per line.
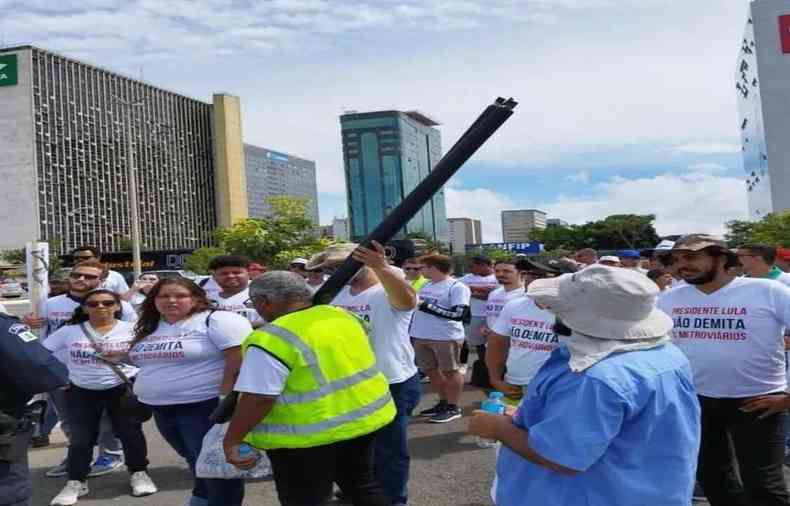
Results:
<point x="386" y="154"/>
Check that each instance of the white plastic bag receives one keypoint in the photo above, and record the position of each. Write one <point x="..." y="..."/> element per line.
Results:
<point x="212" y="464"/>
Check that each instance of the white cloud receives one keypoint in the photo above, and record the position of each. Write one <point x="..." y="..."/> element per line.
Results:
<point x="581" y="177"/>
<point x="708" y="168"/>
<point x="695" y="202"/>
<point x="480" y="204"/>
<point x="707" y="148"/>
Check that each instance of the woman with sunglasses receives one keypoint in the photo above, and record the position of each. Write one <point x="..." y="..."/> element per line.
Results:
<point x="56" y="312"/>
<point x="137" y="294"/>
<point x="188" y="356"/>
<point x="95" y="333"/>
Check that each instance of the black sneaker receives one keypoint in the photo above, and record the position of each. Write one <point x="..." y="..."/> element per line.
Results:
<point x="449" y="414"/>
<point x="439" y="408"/>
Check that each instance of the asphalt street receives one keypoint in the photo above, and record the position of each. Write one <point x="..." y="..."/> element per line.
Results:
<point x="448" y="469"/>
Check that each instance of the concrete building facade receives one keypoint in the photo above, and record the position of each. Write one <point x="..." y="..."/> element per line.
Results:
<point x="271" y="174"/>
<point x="66" y="133"/>
<point x="464" y="232"/>
<point x="340" y="229"/>
<point x="762" y="75"/>
<point x="517" y="224"/>
<point x="386" y="154"/>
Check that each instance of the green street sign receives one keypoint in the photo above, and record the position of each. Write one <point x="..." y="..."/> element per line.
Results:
<point x="8" y="70"/>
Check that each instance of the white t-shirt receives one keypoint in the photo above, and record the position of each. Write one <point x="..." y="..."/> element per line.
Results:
<point x="261" y="373"/>
<point x="75" y="350"/>
<point x="784" y="278"/>
<point x="732" y="337"/>
<point x="137" y="299"/>
<point x="478" y="306"/>
<point x="389" y="334"/>
<point x="115" y="282"/>
<point x="241" y="304"/>
<point x="532" y="338"/>
<point x="59" y="309"/>
<point x="445" y="294"/>
<point x="497" y="300"/>
<point x="211" y="287"/>
<point x="184" y="362"/>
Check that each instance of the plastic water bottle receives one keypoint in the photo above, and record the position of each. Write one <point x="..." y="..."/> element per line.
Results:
<point x="494" y="404"/>
<point x="246" y="451"/>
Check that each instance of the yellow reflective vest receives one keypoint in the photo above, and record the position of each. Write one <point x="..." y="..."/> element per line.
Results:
<point x="334" y="392"/>
<point x="418" y="283"/>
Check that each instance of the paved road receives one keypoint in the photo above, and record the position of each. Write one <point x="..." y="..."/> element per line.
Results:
<point x="448" y="469"/>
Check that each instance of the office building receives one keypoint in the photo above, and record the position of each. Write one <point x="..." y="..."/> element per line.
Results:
<point x="516" y="225"/>
<point x="66" y="133"/>
<point x="463" y="232"/>
<point x="340" y="229"/>
<point x="556" y="222"/>
<point x="762" y="83"/>
<point x="273" y="174"/>
<point x="386" y="154"/>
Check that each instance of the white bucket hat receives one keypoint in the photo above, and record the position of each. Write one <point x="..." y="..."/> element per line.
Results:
<point x="604" y="302"/>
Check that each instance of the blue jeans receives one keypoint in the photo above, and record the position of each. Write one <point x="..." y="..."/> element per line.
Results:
<point x="183" y="426"/>
<point x="392" y="448"/>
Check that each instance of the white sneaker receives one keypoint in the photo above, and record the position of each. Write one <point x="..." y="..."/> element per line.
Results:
<point x="71" y="492"/>
<point x="142" y="484"/>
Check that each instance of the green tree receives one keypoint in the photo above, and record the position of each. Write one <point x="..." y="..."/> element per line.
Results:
<point x="426" y="244"/>
<point x="613" y="232"/>
<point x="774" y="230"/>
<point x="738" y="232"/>
<point x="559" y="237"/>
<point x="199" y="259"/>
<point x="617" y="231"/>
<point x="274" y="240"/>
<point x="14" y="256"/>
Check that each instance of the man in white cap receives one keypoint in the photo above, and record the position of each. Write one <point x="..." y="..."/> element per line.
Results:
<point x="610" y="261"/>
<point x="612" y="418"/>
<point x="380" y="295"/>
<point x="731" y="329"/>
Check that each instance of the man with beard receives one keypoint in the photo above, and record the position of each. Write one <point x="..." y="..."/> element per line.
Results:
<point x="731" y="330"/>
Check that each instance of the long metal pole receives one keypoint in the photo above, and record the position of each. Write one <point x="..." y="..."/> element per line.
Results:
<point x="135" y="212"/>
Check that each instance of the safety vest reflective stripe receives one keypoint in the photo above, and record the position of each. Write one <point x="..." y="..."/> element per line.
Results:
<point x="307" y="353"/>
<point x="337" y="421"/>
<point x="329" y="388"/>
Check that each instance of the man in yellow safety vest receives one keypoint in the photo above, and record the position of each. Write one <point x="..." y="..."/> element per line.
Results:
<point x="311" y="396"/>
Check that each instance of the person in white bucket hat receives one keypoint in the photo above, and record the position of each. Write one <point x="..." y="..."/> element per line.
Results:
<point x="612" y="417"/>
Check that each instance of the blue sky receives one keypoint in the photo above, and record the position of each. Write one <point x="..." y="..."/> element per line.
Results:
<point x="625" y="105"/>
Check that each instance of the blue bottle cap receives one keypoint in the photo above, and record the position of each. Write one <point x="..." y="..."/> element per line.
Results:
<point x="496" y="395"/>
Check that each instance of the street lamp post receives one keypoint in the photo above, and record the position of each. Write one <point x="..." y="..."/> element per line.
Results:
<point x="132" y="178"/>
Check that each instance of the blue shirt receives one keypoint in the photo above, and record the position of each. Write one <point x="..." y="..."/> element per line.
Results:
<point x="629" y="424"/>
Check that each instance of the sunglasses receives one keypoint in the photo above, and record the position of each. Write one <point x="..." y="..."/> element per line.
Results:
<point x="78" y="275"/>
<point x="102" y="303"/>
<point x="412" y="268"/>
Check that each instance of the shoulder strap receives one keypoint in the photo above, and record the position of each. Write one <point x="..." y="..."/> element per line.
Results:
<point x="112" y="365"/>
<point x="208" y="316"/>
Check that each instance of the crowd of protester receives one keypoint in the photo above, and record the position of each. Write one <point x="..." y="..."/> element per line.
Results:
<point x="630" y="377"/>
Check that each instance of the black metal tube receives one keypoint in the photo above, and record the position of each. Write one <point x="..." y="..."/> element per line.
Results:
<point x="475" y="136"/>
